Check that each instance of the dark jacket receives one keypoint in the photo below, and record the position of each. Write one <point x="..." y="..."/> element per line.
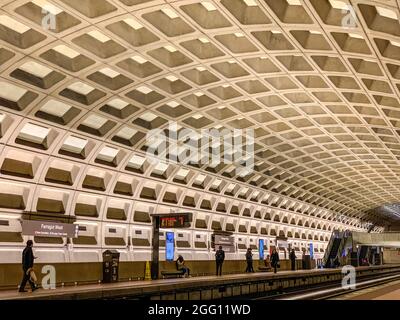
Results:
<point x="274" y="259"/>
<point x="27" y="258"/>
<point x="220" y="255"/>
<point x="249" y="256"/>
<point x="292" y="256"/>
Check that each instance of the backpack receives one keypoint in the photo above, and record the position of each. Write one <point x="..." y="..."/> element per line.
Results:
<point x="219" y="255"/>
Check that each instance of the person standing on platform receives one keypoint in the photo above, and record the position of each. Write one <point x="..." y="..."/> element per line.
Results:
<point x="249" y="260"/>
<point x="27" y="267"/>
<point x="292" y="257"/>
<point x="219" y="260"/>
<point x="275" y="260"/>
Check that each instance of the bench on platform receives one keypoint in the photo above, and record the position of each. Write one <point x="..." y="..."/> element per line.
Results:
<point x="264" y="269"/>
<point x="172" y="274"/>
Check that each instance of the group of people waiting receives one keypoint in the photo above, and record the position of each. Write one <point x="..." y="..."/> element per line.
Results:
<point x="269" y="262"/>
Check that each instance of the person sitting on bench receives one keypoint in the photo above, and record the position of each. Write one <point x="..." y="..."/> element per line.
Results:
<point x="267" y="262"/>
<point x="180" y="265"/>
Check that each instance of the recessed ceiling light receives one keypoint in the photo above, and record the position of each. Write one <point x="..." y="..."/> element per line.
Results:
<point x="250" y="3"/>
<point x="13" y="24"/>
<point x="340" y="5"/>
<point x="208" y="6"/>
<point x="133" y="23"/>
<point x="355" y="35"/>
<point x="99" y="36"/>
<point x="294" y="2"/>
<point x="395" y="43"/>
<point x="109" y="72"/>
<point x="48" y="7"/>
<point x="148" y="116"/>
<point x="197" y="116"/>
<point x="144" y="89"/>
<point x="170" y="48"/>
<point x="171" y="78"/>
<point x="172" y="104"/>
<point x="139" y="59"/>
<point x="170" y="13"/>
<point x="66" y="51"/>
<point x="386" y="13"/>
<point x="204" y="40"/>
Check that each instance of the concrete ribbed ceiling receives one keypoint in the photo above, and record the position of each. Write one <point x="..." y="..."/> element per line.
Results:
<point x="320" y="92"/>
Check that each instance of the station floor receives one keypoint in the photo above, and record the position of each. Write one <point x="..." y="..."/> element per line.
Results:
<point x="390" y="291"/>
<point x="93" y="290"/>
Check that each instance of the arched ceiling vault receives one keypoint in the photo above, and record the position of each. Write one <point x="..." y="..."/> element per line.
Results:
<point x="319" y="88"/>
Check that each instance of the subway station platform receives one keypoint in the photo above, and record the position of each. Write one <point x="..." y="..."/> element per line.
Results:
<point x="198" y="288"/>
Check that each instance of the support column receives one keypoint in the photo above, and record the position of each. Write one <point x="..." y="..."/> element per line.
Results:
<point x="155" y="248"/>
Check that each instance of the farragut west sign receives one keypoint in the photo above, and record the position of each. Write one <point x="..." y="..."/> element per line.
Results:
<point x="49" y="229"/>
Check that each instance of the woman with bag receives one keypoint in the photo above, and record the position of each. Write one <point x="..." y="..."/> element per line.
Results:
<point x="27" y="267"/>
<point x="275" y="260"/>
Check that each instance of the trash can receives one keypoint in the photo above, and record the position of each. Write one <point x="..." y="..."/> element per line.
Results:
<point x="110" y="266"/>
<point x="306" y="262"/>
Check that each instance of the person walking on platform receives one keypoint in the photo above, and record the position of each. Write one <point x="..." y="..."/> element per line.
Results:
<point x="219" y="260"/>
<point x="275" y="260"/>
<point x="27" y="267"/>
<point x="249" y="260"/>
<point x="292" y="257"/>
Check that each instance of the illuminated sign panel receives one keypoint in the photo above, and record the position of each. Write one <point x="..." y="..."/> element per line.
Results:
<point x="172" y="222"/>
<point x="261" y="248"/>
<point x="169" y="246"/>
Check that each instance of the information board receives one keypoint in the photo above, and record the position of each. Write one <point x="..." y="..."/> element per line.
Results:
<point x="49" y="229"/>
<point x="261" y="248"/>
<point x="169" y="246"/>
<point x="227" y="243"/>
<point x="172" y="222"/>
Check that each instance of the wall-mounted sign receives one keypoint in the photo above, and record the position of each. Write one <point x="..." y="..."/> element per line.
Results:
<point x="311" y="251"/>
<point x="174" y="220"/>
<point x="169" y="246"/>
<point x="49" y="229"/>
<point x="227" y="243"/>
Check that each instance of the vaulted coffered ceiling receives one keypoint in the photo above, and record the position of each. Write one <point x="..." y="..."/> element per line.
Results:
<point x="320" y="89"/>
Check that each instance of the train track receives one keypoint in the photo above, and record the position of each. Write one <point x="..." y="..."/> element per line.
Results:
<point x="328" y="291"/>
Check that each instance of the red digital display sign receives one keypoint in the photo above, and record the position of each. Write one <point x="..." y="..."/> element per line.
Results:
<point x="172" y="222"/>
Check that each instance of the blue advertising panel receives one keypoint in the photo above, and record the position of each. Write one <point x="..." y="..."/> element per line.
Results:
<point x="261" y="248"/>
<point x="169" y="246"/>
<point x="311" y="251"/>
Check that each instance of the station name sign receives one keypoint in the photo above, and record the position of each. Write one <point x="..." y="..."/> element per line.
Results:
<point x="49" y="229"/>
<point x="227" y="243"/>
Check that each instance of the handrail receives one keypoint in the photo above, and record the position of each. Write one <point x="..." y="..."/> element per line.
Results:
<point x="329" y="247"/>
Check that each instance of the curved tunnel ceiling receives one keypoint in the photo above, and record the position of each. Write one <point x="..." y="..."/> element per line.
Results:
<point x="319" y="88"/>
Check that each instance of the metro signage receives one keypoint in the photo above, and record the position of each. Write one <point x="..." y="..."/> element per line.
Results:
<point x="49" y="229"/>
<point x="174" y="220"/>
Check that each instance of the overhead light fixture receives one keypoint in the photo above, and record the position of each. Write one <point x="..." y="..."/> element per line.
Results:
<point x="386" y="13"/>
